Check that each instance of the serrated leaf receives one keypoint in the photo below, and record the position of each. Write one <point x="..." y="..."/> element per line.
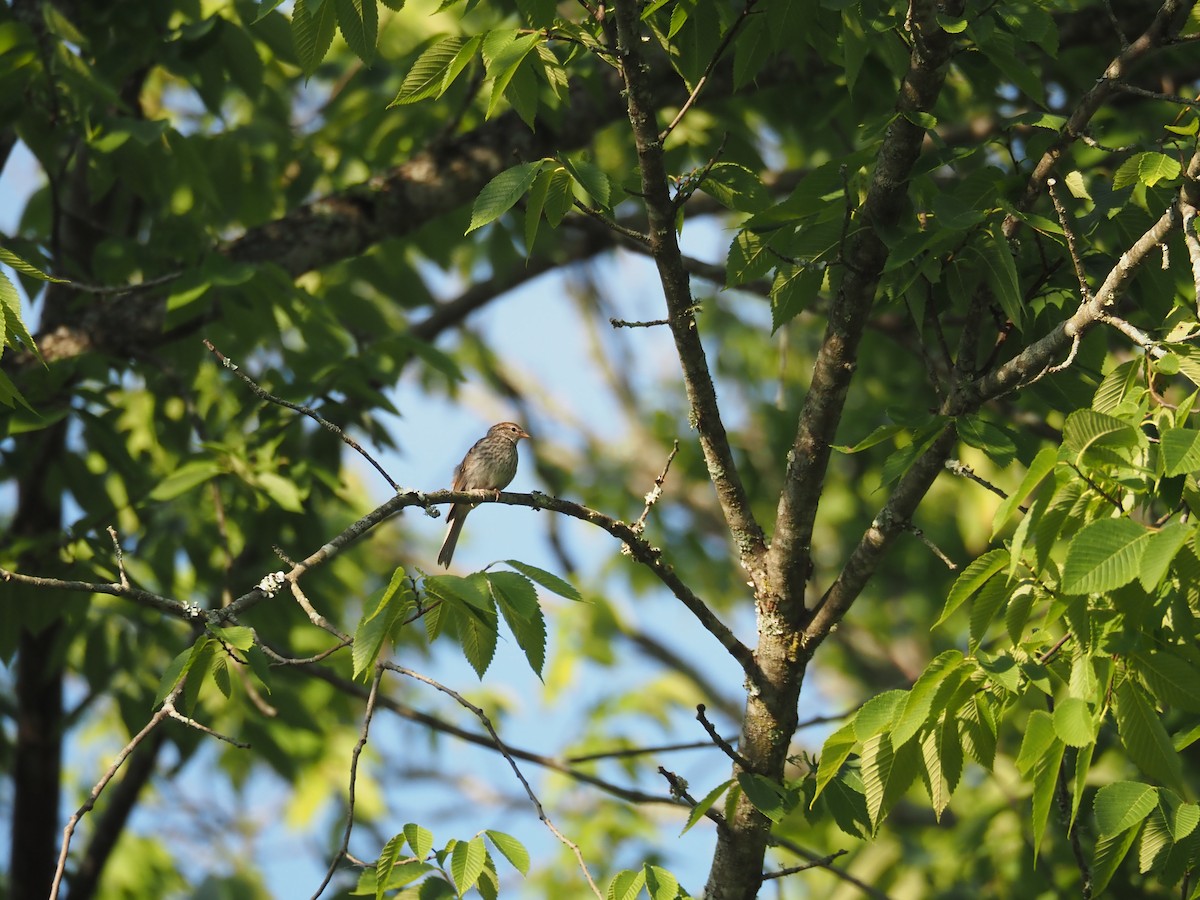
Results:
<point x="973" y="577"/>
<point x="835" y="751"/>
<point x="419" y="838"/>
<point x="1074" y="723"/>
<point x="1108" y="855"/>
<point x="518" y="603"/>
<point x="1160" y="551"/>
<point x="512" y="850"/>
<point x="749" y="258"/>
<point x="1145" y="739"/>
<point x="626" y="885"/>
<point x="887" y="774"/>
<point x="660" y="884"/>
<point x="358" y="21"/>
<point x="1042" y="465"/>
<point x="1122" y="805"/>
<point x="702" y="807"/>
<point x="591" y="179"/>
<point x="1083" y="762"/>
<point x="1180" y="448"/>
<point x="237" y="636"/>
<point x="1045" y="781"/>
<point x="919" y="703"/>
<point x="432" y="73"/>
<point x="466" y="863"/>
<point x="503" y="66"/>
<point x="501" y="193"/>
<point x="386" y="862"/>
<point x="1148" y="168"/>
<point x="793" y="290"/>
<point x="1036" y="741"/>
<point x="878" y="713"/>
<point x="1172" y="679"/>
<point x="377" y="622"/>
<point x="1001" y="274"/>
<point x="312" y="32"/>
<point x="548" y="580"/>
<point x="767" y="796"/>
<point x="1104" y="556"/>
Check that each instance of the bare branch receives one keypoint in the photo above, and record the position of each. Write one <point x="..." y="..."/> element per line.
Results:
<point x="368" y="713"/>
<point x="304" y="410"/>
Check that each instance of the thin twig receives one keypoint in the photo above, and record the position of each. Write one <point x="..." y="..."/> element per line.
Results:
<point x="621" y="323"/>
<point x="69" y="830"/>
<point x="304" y="410"/>
<point x="712" y="62"/>
<point x="924" y="539"/>
<point x="112" y="533"/>
<point x="724" y="745"/>
<point x="656" y="492"/>
<point x="169" y="706"/>
<point x="1085" y="292"/>
<point x="821" y="863"/>
<point x="368" y="713"/>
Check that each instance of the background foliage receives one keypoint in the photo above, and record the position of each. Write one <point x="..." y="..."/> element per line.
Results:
<point x="932" y="397"/>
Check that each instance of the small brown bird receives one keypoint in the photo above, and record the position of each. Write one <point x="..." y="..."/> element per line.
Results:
<point x="488" y="466"/>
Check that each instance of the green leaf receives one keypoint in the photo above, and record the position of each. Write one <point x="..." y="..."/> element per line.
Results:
<point x="11" y="259"/>
<point x="1042" y="465"/>
<point x="793" y="291"/>
<point x="591" y="179"/>
<point x="1104" y="556"/>
<point x="1145" y="739"/>
<point x="512" y="849"/>
<point x="1086" y="429"/>
<point x="518" y="603"/>
<point x="919" y="704"/>
<point x="878" y="713"/>
<point x="1180" y="448"/>
<point x="1160" y="551"/>
<point x="1074" y="723"/>
<point x="736" y="187"/>
<point x="1083" y="763"/>
<point x="466" y="863"/>
<point x="434" y="70"/>
<point x="358" y="20"/>
<point x="887" y="774"/>
<point x="1045" y="781"/>
<point x="239" y="637"/>
<point x="501" y="193"/>
<point x="749" y="257"/>
<point x="1122" y="805"/>
<point x="185" y="478"/>
<point x="419" y="838"/>
<point x="700" y="809"/>
<point x="1000" y="272"/>
<point x="835" y="751"/>
<point x="660" y="884"/>
<point x="626" y="885"/>
<point x="973" y="577"/>
<point x="378" y="620"/>
<point x="1108" y="855"/>
<point x="1172" y="679"/>
<point x="11" y="322"/>
<point x="768" y="797"/>
<point x="1037" y="740"/>
<point x="385" y="863"/>
<point x="312" y="32"/>
<point x="548" y="580"/>
<point x="1148" y="168"/>
<point x="503" y="66"/>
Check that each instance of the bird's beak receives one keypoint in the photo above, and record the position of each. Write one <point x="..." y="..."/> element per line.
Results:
<point x="524" y="433"/>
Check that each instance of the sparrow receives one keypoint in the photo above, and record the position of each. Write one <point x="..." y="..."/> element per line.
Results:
<point x="488" y="466"/>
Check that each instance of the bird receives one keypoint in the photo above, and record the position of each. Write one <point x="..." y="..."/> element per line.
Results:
<point x="489" y="465"/>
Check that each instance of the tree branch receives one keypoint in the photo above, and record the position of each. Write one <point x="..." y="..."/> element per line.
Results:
<point x="702" y="396"/>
